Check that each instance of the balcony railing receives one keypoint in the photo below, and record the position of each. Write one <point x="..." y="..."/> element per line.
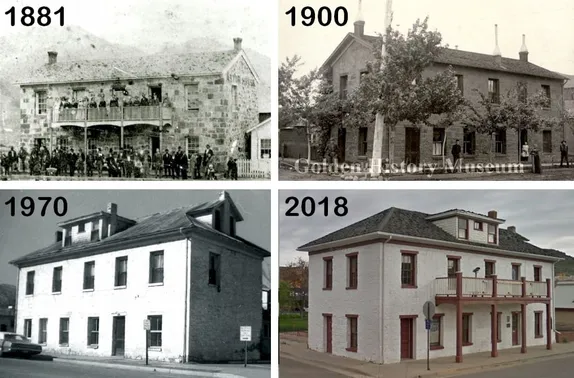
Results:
<point x="468" y="287"/>
<point x="130" y="113"/>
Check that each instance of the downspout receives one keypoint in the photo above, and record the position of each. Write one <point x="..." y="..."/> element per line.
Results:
<point x="16" y="304"/>
<point x="552" y="299"/>
<point x="186" y="301"/>
<point x="381" y="296"/>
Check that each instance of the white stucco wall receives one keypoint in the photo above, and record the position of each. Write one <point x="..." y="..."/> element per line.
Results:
<point x="450" y="225"/>
<point x="136" y="301"/>
<point x="564" y="294"/>
<point x="262" y="132"/>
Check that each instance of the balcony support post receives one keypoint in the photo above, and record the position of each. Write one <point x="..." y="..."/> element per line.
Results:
<point x="494" y="285"/>
<point x="458" y="317"/>
<point x="523" y="327"/>
<point x="494" y="329"/>
<point x="160" y="127"/>
<point x="548" y="315"/>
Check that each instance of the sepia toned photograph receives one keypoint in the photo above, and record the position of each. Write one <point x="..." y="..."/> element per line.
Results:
<point x="138" y="90"/>
<point x="113" y="284"/>
<point x="419" y="90"/>
<point x="453" y="283"/>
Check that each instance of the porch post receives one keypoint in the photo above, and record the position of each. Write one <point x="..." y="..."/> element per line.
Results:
<point x="122" y="127"/>
<point x="458" y="276"/>
<point x="523" y="317"/>
<point x="86" y="151"/>
<point x="160" y="126"/>
<point x="494" y="319"/>
<point x="548" y="315"/>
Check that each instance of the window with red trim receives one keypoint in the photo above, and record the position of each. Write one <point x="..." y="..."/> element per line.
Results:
<point x="537" y="273"/>
<point x="538" y="324"/>
<point x="352" y="325"/>
<point x="352" y="263"/>
<point x="466" y="329"/>
<point x="408" y="270"/>
<point x="492" y="233"/>
<point x="463" y="228"/>
<point x="328" y="274"/>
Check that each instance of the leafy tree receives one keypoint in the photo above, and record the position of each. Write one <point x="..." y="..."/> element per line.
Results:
<point x="285" y="299"/>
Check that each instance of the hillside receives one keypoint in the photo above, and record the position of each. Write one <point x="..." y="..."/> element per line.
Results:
<point x="564" y="267"/>
<point x="7" y="295"/>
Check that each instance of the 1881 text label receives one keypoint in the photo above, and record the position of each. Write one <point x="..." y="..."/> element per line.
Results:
<point x="30" y="18"/>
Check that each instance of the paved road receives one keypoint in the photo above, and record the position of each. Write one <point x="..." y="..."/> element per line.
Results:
<point x="289" y="368"/>
<point x="551" y="368"/>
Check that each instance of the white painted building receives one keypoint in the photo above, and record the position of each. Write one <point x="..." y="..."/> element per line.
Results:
<point x="260" y="136"/>
<point x="368" y="283"/>
<point x="185" y="270"/>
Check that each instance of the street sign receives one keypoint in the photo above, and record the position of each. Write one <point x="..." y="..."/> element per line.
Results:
<point x="428" y="309"/>
<point x="428" y="324"/>
<point x="245" y="333"/>
<point x="147" y="324"/>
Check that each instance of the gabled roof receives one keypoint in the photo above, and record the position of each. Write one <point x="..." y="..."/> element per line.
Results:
<point x="97" y="214"/>
<point x="264" y="123"/>
<point x="414" y="223"/>
<point x="458" y="58"/>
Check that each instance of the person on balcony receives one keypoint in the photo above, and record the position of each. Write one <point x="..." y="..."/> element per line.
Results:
<point x="166" y="101"/>
<point x="102" y="103"/>
<point x="81" y="113"/>
<point x="93" y="103"/>
<point x="136" y="101"/>
<point x="114" y="103"/>
<point x="154" y="100"/>
<point x="144" y="101"/>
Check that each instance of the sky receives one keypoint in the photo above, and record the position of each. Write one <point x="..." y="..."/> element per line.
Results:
<point x="547" y="25"/>
<point x="21" y="235"/>
<point x="543" y="217"/>
<point x="143" y="23"/>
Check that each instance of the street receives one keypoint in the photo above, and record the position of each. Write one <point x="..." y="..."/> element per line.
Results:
<point x="554" y="367"/>
<point x="289" y="368"/>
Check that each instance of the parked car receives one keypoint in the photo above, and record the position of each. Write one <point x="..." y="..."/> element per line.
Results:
<point x="18" y="345"/>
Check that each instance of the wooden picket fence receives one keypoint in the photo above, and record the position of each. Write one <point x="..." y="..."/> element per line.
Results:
<point x="259" y="169"/>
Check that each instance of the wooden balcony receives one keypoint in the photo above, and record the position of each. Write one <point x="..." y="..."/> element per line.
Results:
<point x="490" y="290"/>
<point x="118" y="116"/>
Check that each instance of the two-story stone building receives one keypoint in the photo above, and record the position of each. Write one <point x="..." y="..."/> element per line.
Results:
<point x="368" y="283"/>
<point x="185" y="270"/>
<point x="207" y="97"/>
<point x="492" y="75"/>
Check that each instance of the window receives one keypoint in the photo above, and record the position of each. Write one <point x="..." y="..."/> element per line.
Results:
<point x="516" y="272"/>
<point x="343" y="87"/>
<point x="499" y="328"/>
<point x="156" y="267"/>
<point x="363" y="132"/>
<point x="63" y="142"/>
<point x="64" y="331"/>
<point x="30" y="282"/>
<point x="453" y="266"/>
<point x="217" y="220"/>
<point x="537" y="273"/>
<point x="500" y="142"/>
<point x="362" y="75"/>
<point x="489" y="268"/>
<point x="408" y="269"/>
<point x="28" y="328"/>
<point x="121" y="271"/>
<point x="547" y="141"/>
<point x="538" y="324"/>
<point x="477" y="226"/>
<point x="89" y="275"/>
<point x="522" y="92"/>
<point x="232" y="226"/>
<point x="468" y="141"/>
<point x="57" y="280"/>
<point x="78" y="94"/>
<point x="43" y="331"/>
<point x="155" y="330"/>
<point x="41" y="98"/>
<point x="436" y="332"/>
<point x="494" y="91"/>
<point x="95" y="235"/>
<point x="234" y="94"/>
<point x="466" y="329"/>
<point x="328" y="266"/>
<point x="492" y="233"/>
<point x="352" y="342"/>
<point x="460" y="83"/>
<point x="352" y="266"/>
<point x="437" y="141"/>
<point x="546" y="91"/>
<point x="265" y="148"/>
<point x="214" y="269"/>
<point x="81" y="227"/>
<point x="462" y="228"/>
<point x="68" y="241"/>
<point x="192" y="145"/>
<point x="93" y="331"/>
<point x="192" y="96"/>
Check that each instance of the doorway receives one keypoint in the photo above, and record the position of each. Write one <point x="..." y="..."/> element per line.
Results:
<point x="523" y="141"/>
<point x="328" y="320"/>
<point x="342" y="144"/>
<point x="118" y="336"/>
<point x="516" y="328"/>
<point x="156" y="91"/>
<point x="407" y="338"/>
<point x="412" y="145"/>
<point x="154" y="144"/>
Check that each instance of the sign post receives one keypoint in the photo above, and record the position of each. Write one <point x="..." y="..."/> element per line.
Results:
<point x="147" y="327"/>
<point x="245" y="335"/>
<point x="428" y="311"/>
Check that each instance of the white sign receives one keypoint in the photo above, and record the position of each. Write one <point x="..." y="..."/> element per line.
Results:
<point x="245" y="333"/>
<point x="147" y="324"/>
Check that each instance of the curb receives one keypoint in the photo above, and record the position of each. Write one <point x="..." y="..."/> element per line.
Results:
<point x="346" y="372"/>
<point x="194" y="372"/>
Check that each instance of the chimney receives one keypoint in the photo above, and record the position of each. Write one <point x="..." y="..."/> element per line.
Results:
<point x="523" y="50"/>
<point x="360" y="22"/>
<point x="493" y="214"/>
<point x="496" y="53"/>
<point x="113" y="225"/>
<point x="237" y="44"/>
<point x="511" y="229"/>
<point x="58" y="236"/>
<point x="52" y="57"/>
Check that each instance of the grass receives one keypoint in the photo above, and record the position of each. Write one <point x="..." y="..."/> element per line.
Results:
<point x="292" y="322"/>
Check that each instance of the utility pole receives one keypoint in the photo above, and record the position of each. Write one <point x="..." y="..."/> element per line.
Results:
<point x="376" y="162"/>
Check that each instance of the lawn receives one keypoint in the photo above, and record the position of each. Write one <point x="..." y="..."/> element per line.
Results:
<point x="292" y="322"/>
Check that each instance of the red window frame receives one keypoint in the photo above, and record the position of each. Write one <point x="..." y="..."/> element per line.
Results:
<point x="328" y="273"/>
<point x="352" y="270"/>
<point x="353" y="331"/>
<point x="412" y="283"/>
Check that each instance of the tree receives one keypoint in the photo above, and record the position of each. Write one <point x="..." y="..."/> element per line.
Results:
<point x="298" y="278"/>
<point x="396" y="87"/>
<point x="285" y="299"/>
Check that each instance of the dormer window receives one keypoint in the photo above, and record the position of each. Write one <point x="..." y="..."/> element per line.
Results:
<point x="95" y="235"/>
<point x="462" y="228"/>
<point x="492" y="234"/>
<point x="217" y="220"/>
<point x="81" y="227"/>
<point x="68" y="241"/>
<point x="477" y="226"/>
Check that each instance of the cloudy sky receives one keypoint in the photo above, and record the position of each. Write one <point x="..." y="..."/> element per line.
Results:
<point x="469" y="24"/>
<point x="144" y="23"/>
<point x="544" y="217"/>
<point x="20" y="235"/>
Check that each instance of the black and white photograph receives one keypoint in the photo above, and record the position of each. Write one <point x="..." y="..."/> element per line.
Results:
<point x="421" y="90"/>
<point x="393" y="283"/>
<point x="135" y="90"/>
<point x="105" y="283"/>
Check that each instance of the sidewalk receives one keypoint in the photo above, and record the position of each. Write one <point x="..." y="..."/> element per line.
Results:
<point x="294" y="347"/>
<point x="189" y="369"/>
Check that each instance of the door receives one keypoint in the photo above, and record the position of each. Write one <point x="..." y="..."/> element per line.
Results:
<point x="412" y="145"/>
<point x="342" y="144"/>
<point x="406" y="338"/>
<point x="515" y="328"/>
<point x="328" y="333"/>
<point x="523" y="141"/>
<point x="154" y="144"/>
<point x="118" y="336"/>
<point x="157" y="92"/>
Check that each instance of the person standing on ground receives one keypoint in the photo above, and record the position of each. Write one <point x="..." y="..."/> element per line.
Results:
<point x="456" y="150"/>
<point x="564" y="154"/>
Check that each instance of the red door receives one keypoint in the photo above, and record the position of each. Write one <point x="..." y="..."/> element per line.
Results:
<point x="406" y="338"/>
<point x="328" y="333"/>
<point x="515" y="328"/>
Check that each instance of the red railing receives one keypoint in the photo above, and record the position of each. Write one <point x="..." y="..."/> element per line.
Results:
<point x="490" y="287"/>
